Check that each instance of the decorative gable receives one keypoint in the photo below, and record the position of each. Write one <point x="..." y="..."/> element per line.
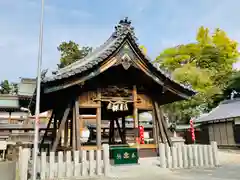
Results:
<point x="126" y="56"/>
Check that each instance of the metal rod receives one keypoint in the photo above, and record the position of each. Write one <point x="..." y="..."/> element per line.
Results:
<point x="37" y="109"/>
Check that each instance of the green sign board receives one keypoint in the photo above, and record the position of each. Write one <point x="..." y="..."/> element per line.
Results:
<point x="124" y="155"/>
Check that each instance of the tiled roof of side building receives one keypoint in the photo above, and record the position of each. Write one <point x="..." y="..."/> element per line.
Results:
<point x="225" y="110"/>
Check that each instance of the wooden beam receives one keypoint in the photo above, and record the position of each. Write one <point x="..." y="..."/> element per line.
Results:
<point x="78" y="143"/>
<point x="158" y="118"/>
<point x="64" y="119"/>
<point x="98" y="123"/>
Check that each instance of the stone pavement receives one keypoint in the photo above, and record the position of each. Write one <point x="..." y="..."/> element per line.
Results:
<point x="149" y="170"/>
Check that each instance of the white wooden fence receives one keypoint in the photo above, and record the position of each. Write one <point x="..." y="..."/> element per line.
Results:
<point x="74" y="164"/>
<point x="188" y="156"/>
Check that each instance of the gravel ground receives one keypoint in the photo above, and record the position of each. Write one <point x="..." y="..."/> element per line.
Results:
<point x="149" y="170"/>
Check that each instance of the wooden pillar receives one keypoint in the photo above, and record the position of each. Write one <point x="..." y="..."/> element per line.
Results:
<point x="155" y="134"/>
<point x="158" y="120"/>
<point x="81" y="127"/>
<point x="165" y="127"/>
<point x="119" y="130"/>
<point x="55" y="125"/>
<point x="73" y="128"/>
<point x="124" y="130"/>
<point x="64" y="119"/>
<point x="98" y="123"/>
<point x="70" y="132"/>
<point x="162" y="123"/>
<point x="66" y="133"/>
<point x="78" y="143"/>
<point x="111" y="131"/>
<point x="135" y="111"/>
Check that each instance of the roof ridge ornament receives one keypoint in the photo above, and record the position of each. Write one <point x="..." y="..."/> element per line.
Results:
<point x="123" y="28"/>
<point x="125" y="21"/>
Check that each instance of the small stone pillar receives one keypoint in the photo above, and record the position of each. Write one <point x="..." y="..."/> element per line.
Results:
<point x="215" y="153"/>
<point x="162" y="155"/>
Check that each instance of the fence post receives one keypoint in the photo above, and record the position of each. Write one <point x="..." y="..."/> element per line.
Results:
<point x="162" y="155"/>
<point x="19" y="164"/>
<point x="185" y="156"/>
<point x="43" y="165"/>
<point x="210" y="155"/>
<point x="83" y="162"/>
<point x="91" y="162"/>
<point x="106" y="159"/>
<point x="76" y="164"/>
<point x="190" y="156"/>
<point x="98" y="162"/>
<point x="60" y="164"/>
<point x="205" y="155"/>
<point x="68" y="167"/>
<point x="180" y="156"/>
<point x="200" y="155"/>
<point x="174" y="157"/>
<point x="168" y="156"/>
<point x="195" y="155"/>
<point x="51" y="165"/>
<point x="215" y="153"/>
<point x="25" y="155"/>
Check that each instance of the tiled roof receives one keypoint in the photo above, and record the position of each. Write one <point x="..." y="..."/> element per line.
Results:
<point x="122" y="30"/>
<point x="98" y="55"/>
<point x="225" y="110"/>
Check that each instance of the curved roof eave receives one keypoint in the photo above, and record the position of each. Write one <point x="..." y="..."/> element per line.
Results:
<point x="108" y="48"/>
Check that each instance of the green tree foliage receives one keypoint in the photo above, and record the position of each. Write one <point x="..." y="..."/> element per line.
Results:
<point x="205" y="65"/>
<point x="8" y="88"/>
<point x="71" y="52"/>
<point x="233" y="86"/>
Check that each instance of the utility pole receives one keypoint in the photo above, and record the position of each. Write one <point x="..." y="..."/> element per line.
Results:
<point x="37" y="108"/>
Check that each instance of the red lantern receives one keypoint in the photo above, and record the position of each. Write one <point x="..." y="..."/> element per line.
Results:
<point x="141" y="134"/>
<point x="192" y="130"/>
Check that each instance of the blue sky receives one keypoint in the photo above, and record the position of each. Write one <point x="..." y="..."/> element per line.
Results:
<point x="158" y="24"/>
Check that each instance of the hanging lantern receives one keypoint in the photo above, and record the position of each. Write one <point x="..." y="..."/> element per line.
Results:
<point x="192" y="130"/>
<point x="141" y="134"/>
